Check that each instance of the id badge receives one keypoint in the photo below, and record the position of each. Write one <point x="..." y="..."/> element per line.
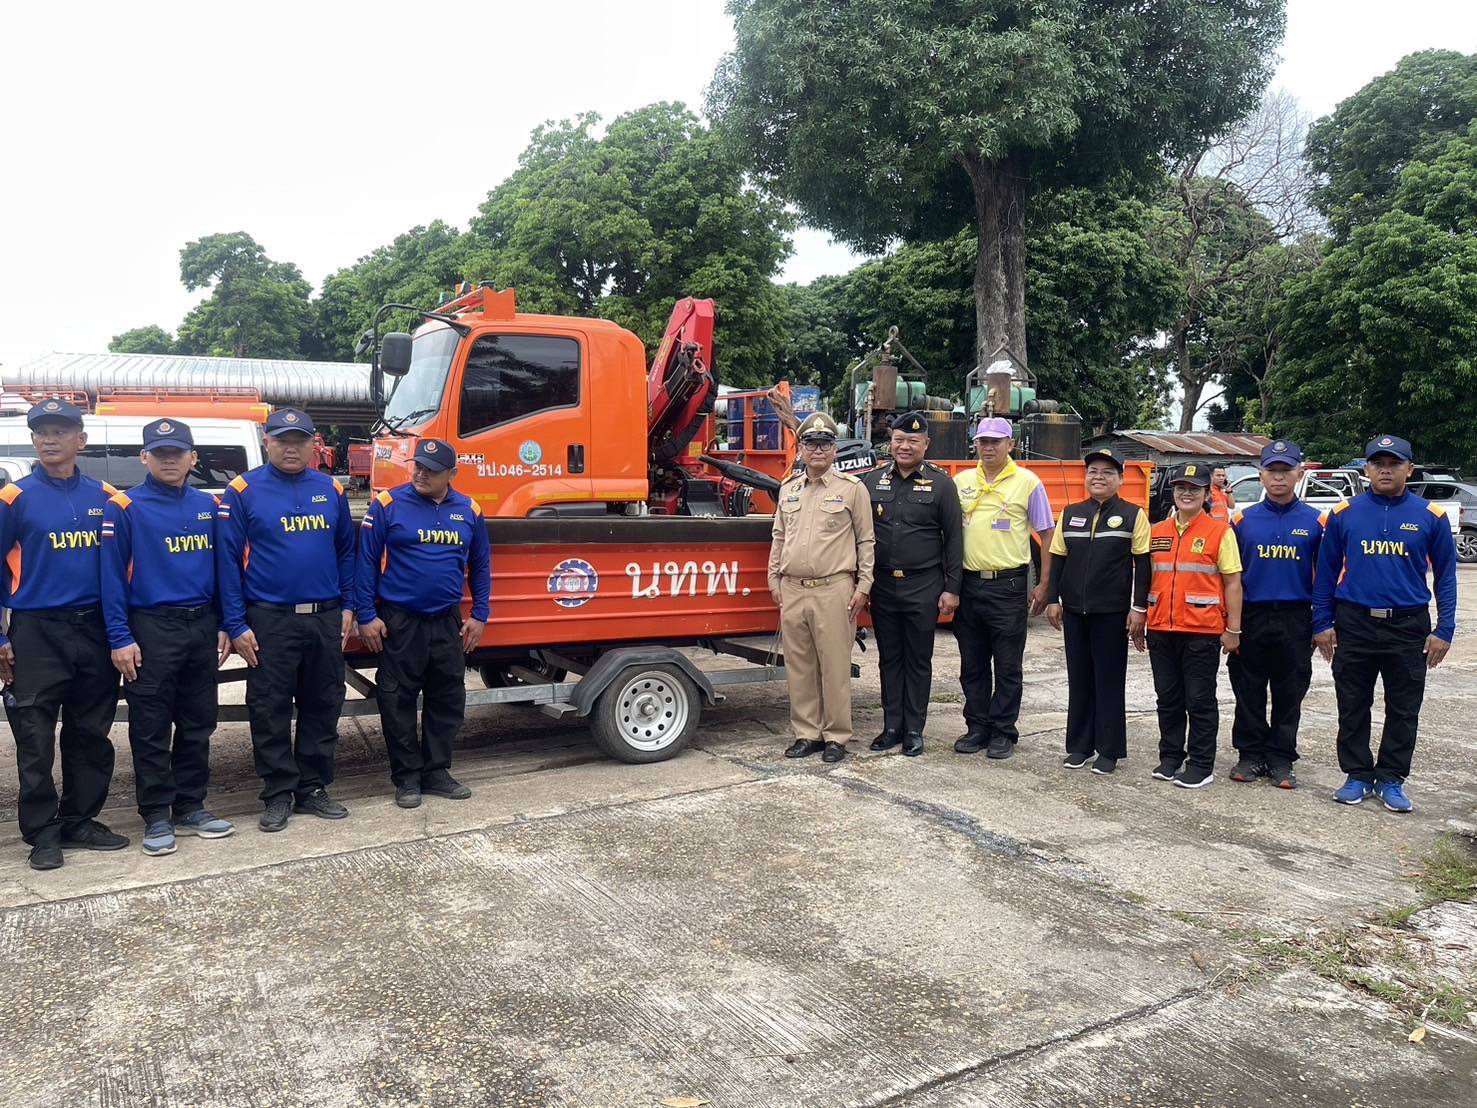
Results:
<point x="1002" y="523"/>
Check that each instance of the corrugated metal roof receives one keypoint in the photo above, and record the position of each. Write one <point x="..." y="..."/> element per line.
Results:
<point x="308" y="384"/>
<point x="1196" y="442"/>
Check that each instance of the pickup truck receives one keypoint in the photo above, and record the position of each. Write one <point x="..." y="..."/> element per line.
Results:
<point x="1326" y="488"/>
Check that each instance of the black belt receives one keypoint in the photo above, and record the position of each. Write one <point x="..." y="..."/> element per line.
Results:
<point x="177" y="613"/>
<point x="69" y="615"/>
<point x="995" y="574"/>
<point x="935" y="568"/>
<point x="311" y="608"/>
<point x="1383" y="613"/>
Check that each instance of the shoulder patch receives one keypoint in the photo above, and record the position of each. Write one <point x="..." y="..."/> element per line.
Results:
<point x="238" y="482"/>
<point x="1437" y="511"/>
<point x="1322" y="519"/>
<point x="1236" y="517"/>
<point x="109" y="489"/>
<point x="121" y="499"/>
<point x="1341" y="506"/>
<point x="849" y="477"/>
<point x="337" y="487"/>
<point x="9" y="493"/>
<point x="383" y="497"/>
<point x="476" y="508"/>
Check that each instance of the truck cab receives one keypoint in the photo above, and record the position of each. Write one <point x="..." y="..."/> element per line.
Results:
<point x="547" y="414"/>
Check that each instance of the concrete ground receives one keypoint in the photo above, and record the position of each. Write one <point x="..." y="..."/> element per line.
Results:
<point x="738" y="929"/>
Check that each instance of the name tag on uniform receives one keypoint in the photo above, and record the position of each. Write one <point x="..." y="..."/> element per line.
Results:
<point x="1002" y="523"/>
<point x="837" y="499"/>
<point x="1077" y="521"/>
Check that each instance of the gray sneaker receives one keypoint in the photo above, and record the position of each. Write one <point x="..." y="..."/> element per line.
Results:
<point x="204" y="824"/>
<point x="159" y="838"/>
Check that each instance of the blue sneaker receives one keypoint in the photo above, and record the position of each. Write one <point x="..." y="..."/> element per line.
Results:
<point x="1353" y="791"/>
<point x="159" y="838"/>
<point x="205" y="825"/>
<point x="1393" y="794"/>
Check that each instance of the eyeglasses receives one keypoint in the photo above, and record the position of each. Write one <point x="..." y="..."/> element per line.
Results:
<point x="821" y="446"/>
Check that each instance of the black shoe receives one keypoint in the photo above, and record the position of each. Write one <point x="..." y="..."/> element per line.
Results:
<point x="886" y="741"/>
<point x="92" y="835"/>
<point x="408" y="796"/>
<point x="803" y="748"/>
<point x="1166" y="770"/>
<point x="275" y="817"/>
<point x="443" y="784"/>
<point x="318" y="803"/>
<point x="46" y="856"/>
<point x="1282" y="777"/>
<point x="912" y="744"/>
<point x="1192" y="778"/>
<point x="1248" y="769"/>
<point x="834" y="752"/>
<point x="971" y="742"/>
<point x="1076" y="761"/>
<point x="1104" y="765"/>
<point x="1000" y="747"/>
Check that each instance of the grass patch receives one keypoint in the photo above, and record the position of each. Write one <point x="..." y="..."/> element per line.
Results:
<point x="1448" y="873"/>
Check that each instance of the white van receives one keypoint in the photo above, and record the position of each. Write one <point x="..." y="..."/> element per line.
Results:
<point x="226" y="447"/>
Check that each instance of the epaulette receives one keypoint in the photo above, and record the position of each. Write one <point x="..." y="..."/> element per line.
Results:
<point x="792" y="477"/>
<point x="1437" y="511"/>
<point x="238" y="482"/>
<point x="109" y="489"/>
<point x="9" y="493"/>
<point x="1341" y="506"/>
<point x="337" y="487"/>
<point x="384" y="497"/>
<point x="849" y="477"/>
<point x="121" y="499"/>
<point x="1236" y="516"/>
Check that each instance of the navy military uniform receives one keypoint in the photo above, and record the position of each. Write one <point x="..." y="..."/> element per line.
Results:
<point x="919" y="556"/>
<point x="1371" y="589"/>
<point x="285" y="566"/>
<point x="158" y="593"/>
<point x="50" y="532"/>
<point x="416" y="556"/>
<point x="1279" y="551"/>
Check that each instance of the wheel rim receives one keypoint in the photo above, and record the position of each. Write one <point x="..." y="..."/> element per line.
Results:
<point x="651" y="711"/>
<point x="1466" y="546"/>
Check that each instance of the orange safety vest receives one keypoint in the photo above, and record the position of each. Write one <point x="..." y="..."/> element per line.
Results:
<point x="1187" y="592"/>
<point x="1220" y="505"/>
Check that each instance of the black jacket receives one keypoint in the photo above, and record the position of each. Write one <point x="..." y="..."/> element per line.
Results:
<point x="1099" y="572"/>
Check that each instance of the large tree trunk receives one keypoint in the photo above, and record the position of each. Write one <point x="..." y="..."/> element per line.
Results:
<point x="1191" y="382"/>
<point x="1000" y="256"/>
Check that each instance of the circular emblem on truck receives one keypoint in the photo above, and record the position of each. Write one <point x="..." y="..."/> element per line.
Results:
<point x="530" y="453"/>
<point x="573" y="583"/>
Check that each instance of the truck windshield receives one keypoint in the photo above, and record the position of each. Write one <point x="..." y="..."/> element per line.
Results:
<point x="418" y="393"/>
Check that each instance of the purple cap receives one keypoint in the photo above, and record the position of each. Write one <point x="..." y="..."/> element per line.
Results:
<point x="994" y="427"/>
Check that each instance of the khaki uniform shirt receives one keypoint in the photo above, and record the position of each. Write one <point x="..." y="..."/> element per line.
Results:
<point x="822" y="527"/>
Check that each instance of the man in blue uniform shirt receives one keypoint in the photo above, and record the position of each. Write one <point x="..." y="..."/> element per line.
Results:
<point x="1279" y="539"/>
<point x="285" y="567"/>
<point x="1372" y="617"/>
<point x="56" y="658"/>
<point x="158" y="592"/>
<point x="420" y="545"/>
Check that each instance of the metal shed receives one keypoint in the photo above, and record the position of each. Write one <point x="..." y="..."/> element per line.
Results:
<point x="1169" y="447"/>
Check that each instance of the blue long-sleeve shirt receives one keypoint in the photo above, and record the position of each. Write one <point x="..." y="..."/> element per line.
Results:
<point x="51" y="536"/>
<point x="420" y="554"/>
<point x="1279" y="551"/>
<point x="158" y="552"/>
<point x="282" y="539"/>
<point x="1376" y="553"/>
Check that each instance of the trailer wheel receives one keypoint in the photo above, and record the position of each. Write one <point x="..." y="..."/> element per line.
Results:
<point x="647" y="714"/>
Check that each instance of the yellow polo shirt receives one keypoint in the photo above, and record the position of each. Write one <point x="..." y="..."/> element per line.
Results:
<point x="999" y="516"/>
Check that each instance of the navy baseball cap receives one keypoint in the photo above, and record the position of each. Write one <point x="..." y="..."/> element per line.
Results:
<point x="165" y="434"/>
<point x="284" y="420"/>
<point x="435" y="455"/>
<point x="1106" y="454"/>
<point x="54" y="409"/>
<point x="1389" y="444"/>
<point x="1191" y="473"/>
<point x="1289" y="453"/>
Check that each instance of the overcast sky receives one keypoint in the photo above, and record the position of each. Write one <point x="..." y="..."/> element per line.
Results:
<point x="325" y="129"/>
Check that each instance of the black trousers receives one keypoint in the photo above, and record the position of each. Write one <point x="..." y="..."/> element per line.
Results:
<point x="300" y="662"/>
<point x="62" y="666"/>
<point x="1185" y="667"/>
<point x="1097" y="671"/>
<point x="1393" y="650"/>
<point x="1276" y="653"/>
<point x="905" y="614"/>
<point x="423" y="656"/>
<point x="172" y="708"/>
<point x="991" y="627"/>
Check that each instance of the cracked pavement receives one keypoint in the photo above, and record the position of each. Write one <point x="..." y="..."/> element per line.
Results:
<point x="734" y="927"/>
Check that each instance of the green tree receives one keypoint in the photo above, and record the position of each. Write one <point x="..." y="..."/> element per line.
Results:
<point x="1383" y="336"/>
<point x="420" y="267"/>
<point x="1407" y="115"/>
<point x="257" y="308"/>
<point x="904" y="118"/>
<point x="621" y="225"/>
<point x="151" y="339"/>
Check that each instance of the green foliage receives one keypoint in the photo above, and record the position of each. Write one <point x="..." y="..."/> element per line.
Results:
<point x="420" y="267"/>
<point x="257" y="308"/>
<point x="1407" y="115"/>
<point x="622" y="225"/>
<point x="1383" y="337"/>
<point x="151" y="339"/>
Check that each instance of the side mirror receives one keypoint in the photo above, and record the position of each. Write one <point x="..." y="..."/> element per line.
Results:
<point x="395" y="354"/>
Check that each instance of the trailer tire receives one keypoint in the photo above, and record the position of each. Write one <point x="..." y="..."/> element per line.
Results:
<point x="649" y="713"/>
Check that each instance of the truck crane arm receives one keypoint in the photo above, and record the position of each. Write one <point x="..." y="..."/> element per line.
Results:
<point x="682" y="384"/>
